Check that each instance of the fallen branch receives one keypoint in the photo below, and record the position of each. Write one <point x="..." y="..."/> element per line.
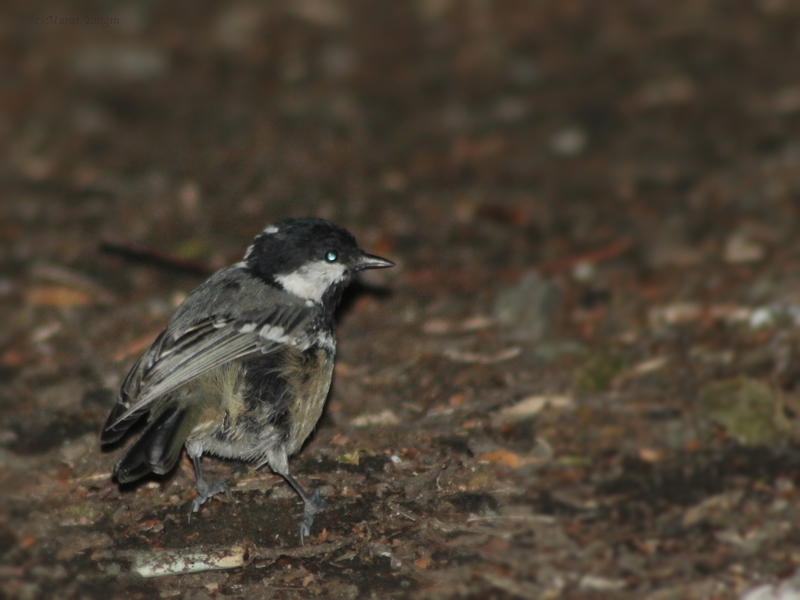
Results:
<point x="182" y="561"/>
<point x="158" y="258"/>
<point x="178" y="562"/>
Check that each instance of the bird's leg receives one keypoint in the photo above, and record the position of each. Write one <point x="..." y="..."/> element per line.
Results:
<point x="312" y="504"/>
<point x="204" y="489"/>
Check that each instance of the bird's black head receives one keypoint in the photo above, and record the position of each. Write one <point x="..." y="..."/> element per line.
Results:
<point x="312" y="258"/>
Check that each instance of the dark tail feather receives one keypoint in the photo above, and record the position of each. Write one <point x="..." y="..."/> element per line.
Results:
<point x="113" y="431"/>
<point x="128" y="395"/>
<point x="156" y="451"/>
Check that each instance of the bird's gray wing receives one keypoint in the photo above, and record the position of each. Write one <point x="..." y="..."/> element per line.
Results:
<point x="174" y="360"/>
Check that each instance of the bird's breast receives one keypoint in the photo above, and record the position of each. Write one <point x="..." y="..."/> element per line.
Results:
<point x="308" y="376"/>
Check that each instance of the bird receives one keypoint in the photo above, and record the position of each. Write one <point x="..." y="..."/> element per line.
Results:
<point x="243" y="368"/>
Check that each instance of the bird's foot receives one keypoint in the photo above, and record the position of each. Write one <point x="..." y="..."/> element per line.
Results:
<point x="205" y="491"/>
<point x="313" y="505"/>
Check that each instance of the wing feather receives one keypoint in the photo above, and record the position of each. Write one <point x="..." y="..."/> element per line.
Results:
<point x="171" y="362"/>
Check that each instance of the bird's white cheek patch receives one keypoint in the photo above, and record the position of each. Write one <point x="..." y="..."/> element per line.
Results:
<point x="312" y="280"/>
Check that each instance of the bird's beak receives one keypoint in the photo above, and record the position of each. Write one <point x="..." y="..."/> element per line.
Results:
<point x="370" y="261"/>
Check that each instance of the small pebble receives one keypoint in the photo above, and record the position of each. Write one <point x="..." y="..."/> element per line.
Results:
<point x="569" y="142"/>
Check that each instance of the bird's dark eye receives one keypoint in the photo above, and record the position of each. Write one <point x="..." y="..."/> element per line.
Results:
<point x="331" y="256"/>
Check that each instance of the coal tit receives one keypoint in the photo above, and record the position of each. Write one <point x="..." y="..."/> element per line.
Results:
<point x="243" y="368"/>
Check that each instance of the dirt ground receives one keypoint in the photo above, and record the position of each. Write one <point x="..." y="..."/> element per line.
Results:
<point x="582" y="378"/>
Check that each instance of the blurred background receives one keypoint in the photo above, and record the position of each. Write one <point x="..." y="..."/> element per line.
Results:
<point x="591" y="200"/>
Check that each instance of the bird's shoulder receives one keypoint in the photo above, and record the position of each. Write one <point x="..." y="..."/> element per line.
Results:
<point x="234" y="298"/>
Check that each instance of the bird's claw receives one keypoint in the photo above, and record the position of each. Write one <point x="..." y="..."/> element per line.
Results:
<point x="205" y="491"/>
<point x="313" y="505"/>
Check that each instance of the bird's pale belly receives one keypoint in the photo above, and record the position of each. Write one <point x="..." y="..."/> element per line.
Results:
<point x="271" y="427"/>
<point x="309" y="393"/>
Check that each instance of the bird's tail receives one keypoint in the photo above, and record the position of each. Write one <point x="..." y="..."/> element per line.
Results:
<point x="116" y="426"/>
<point x="158" y="448"/>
